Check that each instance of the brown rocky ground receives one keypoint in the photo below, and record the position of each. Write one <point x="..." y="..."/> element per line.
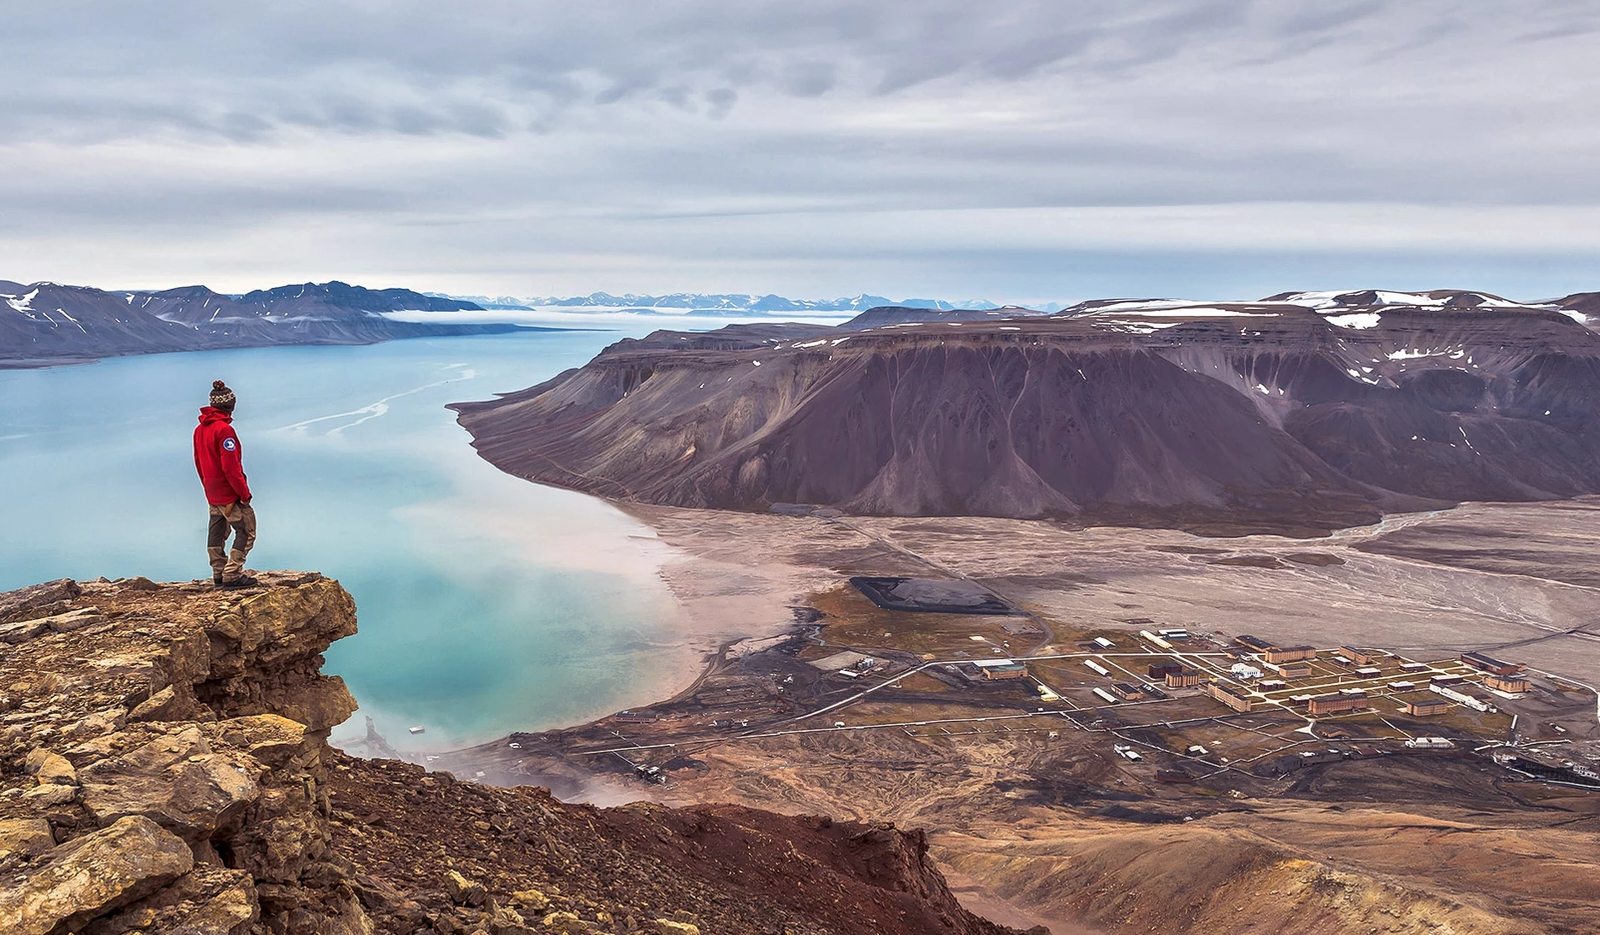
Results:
<point x="164" y="768"/>
<point x="723" y="868"/>
<point x="1060" y="831"/>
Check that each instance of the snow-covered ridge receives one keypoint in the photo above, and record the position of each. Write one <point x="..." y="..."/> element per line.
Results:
<point x="1356" y="309"/>
<point x="1385" y="299"/>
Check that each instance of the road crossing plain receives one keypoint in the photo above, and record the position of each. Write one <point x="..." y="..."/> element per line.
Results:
<point x="1027" y="761"/>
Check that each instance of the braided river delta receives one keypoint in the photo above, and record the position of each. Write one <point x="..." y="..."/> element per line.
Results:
<point x="487" y="604"/>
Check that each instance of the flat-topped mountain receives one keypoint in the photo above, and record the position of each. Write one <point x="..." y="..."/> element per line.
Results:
<point x="47" y="322"/>
<point x="1298" y="412"/>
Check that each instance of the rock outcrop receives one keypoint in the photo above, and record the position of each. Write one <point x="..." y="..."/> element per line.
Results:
<point x="164" y="767"/>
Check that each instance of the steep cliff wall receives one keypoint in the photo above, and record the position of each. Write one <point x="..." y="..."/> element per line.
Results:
<point x="164" y="768"/>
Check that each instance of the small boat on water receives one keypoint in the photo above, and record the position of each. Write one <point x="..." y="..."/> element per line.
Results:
<point x="417" y="730"/>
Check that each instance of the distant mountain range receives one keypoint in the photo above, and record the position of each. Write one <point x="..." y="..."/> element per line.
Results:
<point x="44" y="322"/>
<point x="719" y="303"/>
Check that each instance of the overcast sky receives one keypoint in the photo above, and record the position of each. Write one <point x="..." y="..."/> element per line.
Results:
<point x="1014" y="151"/>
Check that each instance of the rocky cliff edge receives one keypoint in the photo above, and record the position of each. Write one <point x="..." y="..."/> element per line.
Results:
<point x="164" y="767"/>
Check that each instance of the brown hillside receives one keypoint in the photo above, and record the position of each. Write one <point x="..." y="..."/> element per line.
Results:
<point x="1264" y="415"/>
<point x="164" y="768"/>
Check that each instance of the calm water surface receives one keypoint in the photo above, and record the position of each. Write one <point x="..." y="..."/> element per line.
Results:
<point x="486" y="603"/>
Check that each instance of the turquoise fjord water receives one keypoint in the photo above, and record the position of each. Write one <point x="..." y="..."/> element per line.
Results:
<point x="486" y="604"/>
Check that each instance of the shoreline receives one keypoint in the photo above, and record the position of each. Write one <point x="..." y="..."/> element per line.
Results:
<point x="477" y="330"/>
<point x="744" y="576"/>
<point x="994" y="797"/>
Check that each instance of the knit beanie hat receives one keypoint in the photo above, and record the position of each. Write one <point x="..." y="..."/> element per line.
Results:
<point x="222" y="397"/>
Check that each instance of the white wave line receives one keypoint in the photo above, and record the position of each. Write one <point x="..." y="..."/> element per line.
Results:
<point x="379" y="408"/>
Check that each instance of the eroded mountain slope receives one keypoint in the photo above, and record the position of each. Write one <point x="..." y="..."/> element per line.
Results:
<point x="1299" y="412"/>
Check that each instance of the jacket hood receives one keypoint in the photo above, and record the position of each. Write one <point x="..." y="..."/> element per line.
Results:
<point x="210" y="414"/>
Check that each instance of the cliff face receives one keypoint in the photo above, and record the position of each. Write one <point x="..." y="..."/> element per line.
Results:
<point x="1269" y="415"/>
<point x="164" y="768"/>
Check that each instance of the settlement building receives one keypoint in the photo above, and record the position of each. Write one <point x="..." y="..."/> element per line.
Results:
<point x="1229" y="694"/>
<point x="1184" y="678"/>
<point x="1361" y="657"/>
<point x="1278" y="655"/>
<point x="1510" y="684"/>
<point x="1290" y="670"/>
<point x="998" y="669"/>
<point x="1164" y="668"/>
<point x="1492" y="665"/>
<point x="1337" y="704"/>
<point x="1427" y="707"/>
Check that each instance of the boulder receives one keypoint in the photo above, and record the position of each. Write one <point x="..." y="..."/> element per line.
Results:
<point x="565" y="923"/>
<point x="465" y="892"/>
<point x="205" y="901"/>
<point x="270" y="738"/>
<point x="49" y="796"/>
<point x="136" y="583"/>
<point x="28" y="602"/>
<point x="22" y="631"/>
<point x="99" y="748"/>
<point x="74" y="620"/>
<point x="168" y="704"/>
<point x="530" y="899"/>
<point x="230" y="912"/>
<point x="29" y="837"/>
<point x="93" y="875"/>
<point x="175" y="780"/>
<point x="51" y="768"/>
<point x="670" y="927"/>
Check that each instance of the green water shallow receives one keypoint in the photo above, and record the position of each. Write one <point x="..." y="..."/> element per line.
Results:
<point x="486" y="604"/>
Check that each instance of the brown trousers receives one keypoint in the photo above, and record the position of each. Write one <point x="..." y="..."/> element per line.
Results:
<point x="241" y="518"/>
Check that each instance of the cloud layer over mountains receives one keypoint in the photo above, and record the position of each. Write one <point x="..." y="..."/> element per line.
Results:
<point x="1021" y="149"/>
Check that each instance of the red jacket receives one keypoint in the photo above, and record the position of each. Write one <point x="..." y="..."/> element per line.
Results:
<point x="216" y="457"/>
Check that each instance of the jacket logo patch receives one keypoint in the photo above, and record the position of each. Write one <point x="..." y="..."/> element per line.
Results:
<point x="229" y="444"/>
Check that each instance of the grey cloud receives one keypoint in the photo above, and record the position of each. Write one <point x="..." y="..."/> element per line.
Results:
<point x="622" y="119"/>
<point x="807" y="79"/>
<point x="268" y="60"/>
<point x="720" y="101"/>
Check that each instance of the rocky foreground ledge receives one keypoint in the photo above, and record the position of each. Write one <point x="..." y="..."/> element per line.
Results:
<point x="164" y="767"/>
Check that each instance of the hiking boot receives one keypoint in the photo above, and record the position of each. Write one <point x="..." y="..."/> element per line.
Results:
<point x="216" y="580"/>
<point x="243" y="581"/>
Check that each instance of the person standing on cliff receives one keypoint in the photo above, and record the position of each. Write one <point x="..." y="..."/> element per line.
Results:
<point x="217" y="457"/>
